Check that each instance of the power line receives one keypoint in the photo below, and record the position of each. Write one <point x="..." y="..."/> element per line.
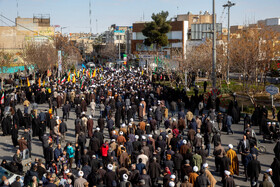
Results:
<point x="17" y="24"/>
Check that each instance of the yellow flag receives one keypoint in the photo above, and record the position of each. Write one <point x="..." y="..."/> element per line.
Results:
<point x="44" y="82"/>
<point x="78" y="74"/>
<point x="39" y="81"/>
<point x="83" y="71"/>
<point x="28" y="83"/>
<point x="94" y="73"/>
<point x="68" y="78"/>
<point x="142" y="71"/>
<point x="74" y="79"/>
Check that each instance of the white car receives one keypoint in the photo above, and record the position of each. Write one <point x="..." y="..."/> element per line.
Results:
<point x="90" y="65"/>
<point x="10" y="176"/>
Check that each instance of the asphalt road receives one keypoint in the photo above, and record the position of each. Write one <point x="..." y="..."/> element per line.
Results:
<point x="7" y="150"/>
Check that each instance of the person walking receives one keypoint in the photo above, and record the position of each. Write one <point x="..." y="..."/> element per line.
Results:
<point x="254" y="170"/>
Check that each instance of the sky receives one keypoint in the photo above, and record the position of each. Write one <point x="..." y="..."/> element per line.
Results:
<point x="74" y="14"/>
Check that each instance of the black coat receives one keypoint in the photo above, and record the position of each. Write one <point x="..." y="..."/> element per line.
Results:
<point x="48" y="154"/>
<point x="154" y="170"/>
<point x="225" y="163"/>
<point x="62" y="127"/>
<point x="254" y="168"/>
<point x="275" y="166"/>
<point x="110" y="176"/>
<point x="177" y="159"/>
<point x="202" y="181"/>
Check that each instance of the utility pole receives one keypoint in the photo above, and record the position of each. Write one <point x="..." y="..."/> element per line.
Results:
<point x="214" y="48"/>
<point x="228" y="5"/>
<point x="90" y="17"/>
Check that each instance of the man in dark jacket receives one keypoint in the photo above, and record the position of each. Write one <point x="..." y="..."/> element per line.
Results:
<point x="202" y="180"/>
<point x="275" y="166"/>
<point x="63" y="130"/>
<point x="16" y="183"/>
<point x="254" y="170"/>
<point x="48" y="155"/>
<point x="154" y="171"/>
<point x="110" y="177"/>
<point x="228" y="182"/>
<point x="177" y="160"/>
<point x="30" y="173"/>
<point x="225" y="163"/>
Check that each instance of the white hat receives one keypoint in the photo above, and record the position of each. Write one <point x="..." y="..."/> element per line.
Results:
<point x="125" y="176"/>
<point x="123" y="125"/>
<point x="81" y="173"/>
<point x="142" y="99"/>
<point x="148" y="124"/>
<point x="144" y="137"/>
<point x="184" y="142"/>
<point x="113" y="140"/>
<point x="110" y="167"/>
<point x="98" y="129"/>
<point x="150" y="109"/>
<point x="114" y="132"/>
<point x="83" y="113"/>
<point x="121" y="133"/>
<point x="90" y="117"/>
<point x="227" y="172"/>
<point x="195" y="169"/>
<point x="93" y="156"/>
<point x="273" y="123"/>
<point x="268" y="170"/>
<point x="136" y="137"/>
<point x="57" y="117"/>
<point x="230" y="146"/>
<point x="172" y="176"/>
<point x="205" y="165"/>
<point x="131" y="119"/>
<point x="66" y="171"/>
<point x="150" y="135"/>
<point x="269" y="123"/>
<point x="171" y="184"/>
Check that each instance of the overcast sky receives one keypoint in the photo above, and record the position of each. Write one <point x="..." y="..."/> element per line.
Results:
<point x="74" y="14"/>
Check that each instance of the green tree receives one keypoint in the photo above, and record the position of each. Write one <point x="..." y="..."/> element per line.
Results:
<point x="156" y="30"/>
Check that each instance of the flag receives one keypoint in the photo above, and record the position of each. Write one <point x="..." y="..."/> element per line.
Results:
<point x="74" y="79"/>
<point x="21" y="82"/>
<point x="82" y="83"/>
<point x="63" y="80"/>
<point x="2" y="98"/>
<point x="28" y="83"/>
<point x="142" y="72"/>
<point x="44" y="82"/>
<point x="78" y="74"/>
<point x="94" y="73"/>
<point x="68" y="79"/>
<point x="84" y="66"/>
<point x="84" y="71"/>
<point x="39" y="82"/>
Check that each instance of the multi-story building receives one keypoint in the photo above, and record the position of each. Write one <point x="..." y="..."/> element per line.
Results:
<point x="120" y="36"/>
<point x="177" y="38"/>
<point x="37" y="29"/>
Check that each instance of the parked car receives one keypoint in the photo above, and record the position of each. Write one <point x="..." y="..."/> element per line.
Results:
<point x="10" y="176"/>
<point x="90" y="65"/>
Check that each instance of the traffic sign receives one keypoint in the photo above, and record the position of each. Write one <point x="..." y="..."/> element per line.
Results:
<point x="273" y="90"/>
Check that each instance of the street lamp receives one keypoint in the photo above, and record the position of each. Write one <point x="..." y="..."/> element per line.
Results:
<point x="214" y="48"/>
<point x="229" y="5"/>
<point x="61" y="28"/>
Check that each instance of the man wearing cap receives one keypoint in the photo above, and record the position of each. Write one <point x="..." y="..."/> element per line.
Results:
<point x="269" y="176"/>
<point x="110" y="177"/>
<point x="193" y="175"/>
<point x="121" y="139"/>
<point x="209" y="175"/>
<point x="79" y="182"/>
<point x="234" y="166"/>
<point x="228" y="181"/>
<point x="125" y="181"/>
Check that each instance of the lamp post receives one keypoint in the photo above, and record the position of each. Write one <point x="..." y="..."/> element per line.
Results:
<point x="228" y="5"/>
<point x="61" y="28"/>
<point x="214" y="48"/>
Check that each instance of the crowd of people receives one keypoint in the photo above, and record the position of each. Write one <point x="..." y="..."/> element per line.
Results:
<point x="146" y="135"/>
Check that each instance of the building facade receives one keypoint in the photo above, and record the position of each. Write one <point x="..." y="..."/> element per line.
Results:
<point x="177" y="38"/>
<point x="37" y="29"/>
